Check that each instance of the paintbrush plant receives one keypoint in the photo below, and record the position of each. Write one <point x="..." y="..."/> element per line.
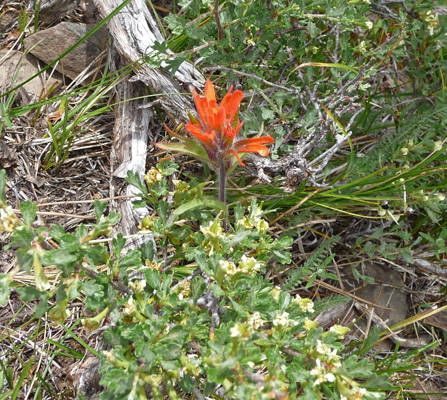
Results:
<point x="216" y="131"/>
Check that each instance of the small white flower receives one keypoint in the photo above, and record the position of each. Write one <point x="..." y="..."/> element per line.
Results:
<point x="438" y="146"/>
<point x="154" y="175"/>
<point x="129" y="307"/>
<point x="228" y="267"/>
<point x="326" y="352"/>
<point x="320" y="372"/>
<point x="369" y="24"/>
<point x="275" y="293"/>
<point x="234" y="331"/>
<point x="248" y="265"/>
<point x="283" y="320"/>
<point x="439" y="197"/>
<point x="255" y="320"/>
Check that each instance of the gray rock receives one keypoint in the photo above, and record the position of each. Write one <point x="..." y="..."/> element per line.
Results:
<point x="52" y="10"/>
<point x="51" y="43"/>
<point x="16" y="67"/>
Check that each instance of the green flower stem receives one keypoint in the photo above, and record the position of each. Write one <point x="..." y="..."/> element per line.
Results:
<point x="94" y="322"/>
<point x="222" y="180"/>
<point x="222" y="177"/>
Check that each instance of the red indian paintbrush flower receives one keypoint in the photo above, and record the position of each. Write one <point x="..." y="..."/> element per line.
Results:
<point x="217" y="129"/>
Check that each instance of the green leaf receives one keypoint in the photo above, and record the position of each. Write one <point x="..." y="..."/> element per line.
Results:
<point x="24" y="259"/>
<point x="204" y="202"/>
<point x="267" y="113"/>
<point x="178" y="333"/>
<point x="187" y="146"/>
<point x="94" y="293"/>
<point x="132" y="258"/>
<point x="22" y="236"/>
<point x="28" y="210"/>
<point x="148" y="250"/>
<point x="118" y="244"/>
<point x="23" y="375"/>
<point x="99" y="209"/>
<point x="357" y="369"/>
<point x="4" y="288"/>
<point x="2" y="186"/>
<point x="59" y="257"/>
<point x="133" y="178"/>
<point x="28" y="293"/>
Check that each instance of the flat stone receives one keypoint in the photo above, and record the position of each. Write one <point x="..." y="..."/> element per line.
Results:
<point x="7" y="19"/>
<point x="52" y="10"/>
<point x="387" y="292"/>
<point x="51" y="43"/>
<point x="16" y="67"/>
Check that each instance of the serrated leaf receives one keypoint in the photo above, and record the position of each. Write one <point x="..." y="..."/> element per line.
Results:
<point x="22" y="236"/>
<point x="28" y="293"/>
<point x="267" y="113"/>
<point x="28" y="210"/>
<point x="118" y="244"/>
<point x="99" y="209"/>
<point x="58" y="257"/>
<point x="133" y="178"/>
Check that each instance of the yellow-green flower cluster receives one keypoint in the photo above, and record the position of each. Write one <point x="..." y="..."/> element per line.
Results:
<point x="283" y="321"/>
<point x="243" y="330"/>
<point x="8" y="220"/>
<point x="185" y="289"/>
<point x="255" y="321"/>
<point x="147" y="223"/>
<point x="154" y="265"/>
<point x="305" y="305"/>
<point x="254" y="221"/>
<point x="341" y="331"/>
<point x="213" y="234"/>
<point x="154" y="175"/>
<point x="432" y="21"/>
<point x="228" y="267"/>
<point x="327" y="362"/>
<point x="138" y="286"/>
<point x="247" y="265"/>
<point x="275" y="292"/>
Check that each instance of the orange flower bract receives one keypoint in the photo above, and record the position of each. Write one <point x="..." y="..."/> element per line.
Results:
<point x="218" y="127"/>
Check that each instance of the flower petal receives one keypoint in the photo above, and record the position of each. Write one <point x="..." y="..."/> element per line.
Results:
<point x="206" y="138"/>
<point x="232" y="151"/>
<point x="254" y="148"/>
<point x="202" y="107"/>
<point x="230" y="103"/>
<point x="256" y="140"/>
<point x="254" y="145"/>
<point x="210" y="94"/>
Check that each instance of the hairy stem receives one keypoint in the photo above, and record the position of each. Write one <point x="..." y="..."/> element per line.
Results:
<point x="222" y="180"/>
<point x="222" y="177"/>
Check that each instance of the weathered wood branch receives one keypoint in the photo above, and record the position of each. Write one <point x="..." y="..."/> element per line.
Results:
<point x="134" y="32"/>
